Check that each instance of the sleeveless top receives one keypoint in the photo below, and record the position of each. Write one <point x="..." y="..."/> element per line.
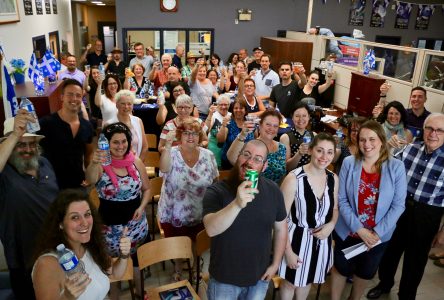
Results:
<point x="108" y="109"/>
<point x="136" y="133"/>
<point x="99" y="286"/>
<point x="252" y="108"/>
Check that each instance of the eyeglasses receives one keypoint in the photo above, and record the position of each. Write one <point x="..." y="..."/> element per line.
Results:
<point x="26" y="145"/>
<point x="190" y="133"/>
<point x="255" y="159"/>
<point x="438" y="131"/>
<point x="183" y="107"/>
<point x="249" y="86"/>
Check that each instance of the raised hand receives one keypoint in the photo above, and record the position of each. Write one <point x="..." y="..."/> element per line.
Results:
<point x="245" y="193"/>
<point x="76" y="285"/>
<point x="20" y="121"/>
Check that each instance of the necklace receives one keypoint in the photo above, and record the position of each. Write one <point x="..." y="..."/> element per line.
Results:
<point x="191" y="157"/>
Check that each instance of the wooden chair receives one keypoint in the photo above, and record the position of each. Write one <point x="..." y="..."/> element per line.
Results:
<point x="156" y="187"/>
<point x="178" y="247"/>
<point x="152" y="141"/>
<point x="224" y="174"/>
<point x="152" y="163"/>
<point x="203" y="243"/>
<point x="127" y="276"/>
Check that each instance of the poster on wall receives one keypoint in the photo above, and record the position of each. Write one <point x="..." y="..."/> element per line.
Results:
<point x="425" y="12"/>
<point x="403" y="11"/>
<point x="54" y="7"/>
<point x="39" y="7"/>
<point x="356" y="16"/>
<point x="9" y="12"/>
<point x="379" y="10"/>
<point x="27" y="5"/>
<point x="47" y="7"/>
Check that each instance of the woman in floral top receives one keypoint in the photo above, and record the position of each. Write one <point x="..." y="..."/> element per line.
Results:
<point x="187" y="172"/>
<point x="137" y="83"/>
<point x="372" y="191"/>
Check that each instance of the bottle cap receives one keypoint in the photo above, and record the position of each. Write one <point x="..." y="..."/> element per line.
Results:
<point x="60" y="247"/>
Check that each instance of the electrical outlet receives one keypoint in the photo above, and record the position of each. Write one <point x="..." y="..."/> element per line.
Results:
<point x="236" y="21"/>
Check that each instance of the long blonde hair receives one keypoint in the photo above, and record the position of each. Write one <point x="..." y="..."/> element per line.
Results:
<point x="384" y="153"/>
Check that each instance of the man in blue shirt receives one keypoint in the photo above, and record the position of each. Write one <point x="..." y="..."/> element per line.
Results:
<point x="418" y="227"/>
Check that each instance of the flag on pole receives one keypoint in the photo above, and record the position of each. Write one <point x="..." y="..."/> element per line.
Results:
<point x="34" y="69"/>
<point x="10" y="104"/>
<point x="49" y="65"/>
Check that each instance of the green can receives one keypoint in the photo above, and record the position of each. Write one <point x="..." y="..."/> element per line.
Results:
<point x="253" y="176"/>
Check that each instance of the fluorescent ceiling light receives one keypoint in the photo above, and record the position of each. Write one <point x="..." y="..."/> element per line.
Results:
<point x="101" y="4"/>
<point x="97" y="2"/>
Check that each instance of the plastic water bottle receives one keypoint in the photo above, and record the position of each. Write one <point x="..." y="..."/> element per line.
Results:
<point x="104" y="145"/>
<point x="340" y="135"/>
<point x="102" y="70"/>
<point x="306" y="139"/>
<point x="31" y="127"/>
<point x="69" y="261"/>
<point x="160" y="97"/>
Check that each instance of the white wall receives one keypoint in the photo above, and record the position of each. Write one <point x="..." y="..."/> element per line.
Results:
<point x="16" y="38"/>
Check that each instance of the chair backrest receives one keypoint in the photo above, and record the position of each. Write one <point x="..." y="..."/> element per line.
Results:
<point x="152" y="140"/>
<point x="128" y="275"/>
<point x="164" y="249"/>
<point x="203" y="242"/>
<point x="156" y="185"/>
<point x="224" y="174"/>
<point x="152" y="159"/>
<point x="94" y="197"/>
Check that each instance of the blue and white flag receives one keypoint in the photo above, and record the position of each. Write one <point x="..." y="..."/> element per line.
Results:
<point x="49" y="65"/>
<point x="10" y="104"/>
<point x="34" y="69"/>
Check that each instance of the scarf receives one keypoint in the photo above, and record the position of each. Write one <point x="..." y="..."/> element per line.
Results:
<point x="127" y="162"/>
<point x="399" y="129"/>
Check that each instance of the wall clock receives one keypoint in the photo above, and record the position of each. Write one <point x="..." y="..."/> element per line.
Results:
<point x="169" y="5"/>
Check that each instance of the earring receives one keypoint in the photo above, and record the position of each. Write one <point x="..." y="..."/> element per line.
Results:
<point x="60" y="227"/>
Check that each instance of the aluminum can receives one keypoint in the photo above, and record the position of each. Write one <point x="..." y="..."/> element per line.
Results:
<point x="253" y="176"/>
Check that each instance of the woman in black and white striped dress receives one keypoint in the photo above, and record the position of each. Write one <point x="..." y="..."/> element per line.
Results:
<point x="310" y="194"/>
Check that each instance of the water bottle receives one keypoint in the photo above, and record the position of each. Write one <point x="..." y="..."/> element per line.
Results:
<point x="340" y="135"/>
<point x="102" y="70"/>
<point x="104" y="145"/>
<point x="31" y="127"/>
<point x="160" y="97"/>
<point x="69" y="261"/>
<point x="306" y="139"/>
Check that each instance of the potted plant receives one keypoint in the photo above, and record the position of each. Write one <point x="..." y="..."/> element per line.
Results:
<point x="19" y="69"/>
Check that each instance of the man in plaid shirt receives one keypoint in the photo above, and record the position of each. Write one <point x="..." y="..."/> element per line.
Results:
<point x="419" y="226"/>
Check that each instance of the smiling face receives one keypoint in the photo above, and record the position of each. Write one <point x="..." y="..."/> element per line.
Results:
<point x="393" y="116"/>
<point x="125" y="105"/>
<point x="118" y="145"/>
<point x="173" y="74"/>
<point x="212" y="75"/>
<point x="249" y="88"/>
<point x="139" y="51"/>
<point x="72" y="98"/>
<point x="257" y="54"/>
<point x="202" y="73"/>
<point x="190" y="137"/>
<point x="322" y="154"/>
<point x="25" y="156"/>
<point x="239" y="111"/>
<point x="214" y="61"/>
<point x="71" y="63"/>
<point x="252" y="157"/>
<point x="95" y="73"/>
<point x="138" y="70"/>
<point x="417" y="99"/>
<point x="269" y="127"/>
<point x="265" y="63"/>
<point x="183" y="110"/>
<point x="369" y="143"/>
<point x="242" y="54"/>
<point x="313" y="80"/>
<point x="300" y="118"/>
<point x="166" y="61"/>
<point x="77" y="223"/>
<point x="235" y="59"/>
<point x="222" y="107"/>
<point x="112" y="86"/>
<point x="434" y="132"/>
<point x="240" y="69"/>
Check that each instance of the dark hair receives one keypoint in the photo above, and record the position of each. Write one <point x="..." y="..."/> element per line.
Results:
<point x="354" y="121"/>
<point x="419" y="88"/>
<point x="242" y="103"/>
<point x="270" y="112"/>
<point x="399" y="107"/>
<point x="110" y="130"/>
<point x="52" y="235"/>
<point x="266" y="55"/>
<point x="313" y="72"/>
<point x="91" y="82"/>
<point x="212" y="70"/>
<point x="106" y="83"/>
<point x="215" y="56"/>
<point x="285" y="63"/>
<point x="384" y="153"/>
<point x="68" y="82"/>
<point x="300" y="105"/>
<point x="173" y="84"/>
<point x="323" y="136"/>
<point x="230" y="58"/>
<point x="250" y="80"/>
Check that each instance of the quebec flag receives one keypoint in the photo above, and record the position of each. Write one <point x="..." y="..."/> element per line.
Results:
<point x="49" y="65"/>
<point x="34" y="69"/>
<point x="10" y="104"/>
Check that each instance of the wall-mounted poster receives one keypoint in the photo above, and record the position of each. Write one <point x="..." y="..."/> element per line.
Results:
<point x="27" y="5"/>
<point x="425" y="12"/>
<point x="379" y="10"/>
<point x="47" y="7"/>
<point x="54" y="7"/>
<point x="9" y="11"/>
<point x="403" y="11"/>
<point x="356" y="16"/>
<point x="39" y="7"/>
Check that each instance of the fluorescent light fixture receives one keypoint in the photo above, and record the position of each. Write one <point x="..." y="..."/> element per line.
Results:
<point x="96" y="2"/>
<point x="101" y="4"/>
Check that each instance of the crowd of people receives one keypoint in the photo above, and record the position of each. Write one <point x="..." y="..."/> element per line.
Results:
<point x="315" y="195"/>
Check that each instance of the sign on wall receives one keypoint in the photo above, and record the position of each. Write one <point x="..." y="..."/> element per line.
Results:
<point x="403" y="11"/>
<point x="356" y="15"/>
<point x="379" y="10"/>
<point x="425" y="12"/>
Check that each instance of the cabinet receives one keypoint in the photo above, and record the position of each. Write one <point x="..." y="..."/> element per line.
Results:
<point x="282" y="49"/>
<point x="364" y="94"/>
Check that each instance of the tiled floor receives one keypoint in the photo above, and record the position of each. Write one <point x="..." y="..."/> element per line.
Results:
<point x="431" y="288"/>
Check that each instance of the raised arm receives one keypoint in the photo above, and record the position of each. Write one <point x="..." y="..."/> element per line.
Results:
<point x="94" y="170"/>
<point x="322" y="88"/>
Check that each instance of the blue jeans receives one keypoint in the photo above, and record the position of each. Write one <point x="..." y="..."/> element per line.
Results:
<point x="221" y="291"/>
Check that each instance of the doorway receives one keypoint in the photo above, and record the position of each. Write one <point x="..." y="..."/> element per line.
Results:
<point x="54" y="43"/>
<point x="107" y="34"/>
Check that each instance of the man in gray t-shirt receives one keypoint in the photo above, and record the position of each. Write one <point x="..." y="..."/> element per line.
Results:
<point x="141" y="58"/>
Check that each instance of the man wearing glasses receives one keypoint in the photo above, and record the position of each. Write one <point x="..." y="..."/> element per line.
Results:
<point x="67" y="144"/>
<point x="240" y="221"/>
<point x="418" y="228"/>
<point x="27" y="188"/>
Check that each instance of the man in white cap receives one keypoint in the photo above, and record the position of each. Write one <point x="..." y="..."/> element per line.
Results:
<point x="28" y="186"/>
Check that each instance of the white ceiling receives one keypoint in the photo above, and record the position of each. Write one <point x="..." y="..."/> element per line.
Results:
<point x="88" y="2"/>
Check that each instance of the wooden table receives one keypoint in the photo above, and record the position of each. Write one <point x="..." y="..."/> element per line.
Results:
<point x="333" y="126"/>
<point x="153" y="294"/>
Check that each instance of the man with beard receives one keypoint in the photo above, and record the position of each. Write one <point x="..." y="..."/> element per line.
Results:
<point x="240" y="219"/>
<point x="68" y="138"/>
<point x="71" y="71"/>
<point x="27" y="188"/>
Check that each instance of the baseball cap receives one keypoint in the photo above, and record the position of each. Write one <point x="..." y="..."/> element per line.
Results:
<point x="257" y="48"/>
